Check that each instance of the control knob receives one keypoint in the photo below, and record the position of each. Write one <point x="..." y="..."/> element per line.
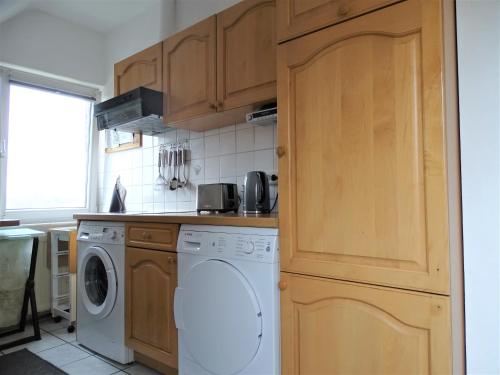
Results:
<point x="249" y="247"/>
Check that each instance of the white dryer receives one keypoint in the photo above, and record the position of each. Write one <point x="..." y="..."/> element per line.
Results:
<point x="101" y="288"/>
<point x="226" y="305"/>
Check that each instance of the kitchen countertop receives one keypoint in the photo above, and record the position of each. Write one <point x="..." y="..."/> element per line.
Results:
<point x="231" y="219"/>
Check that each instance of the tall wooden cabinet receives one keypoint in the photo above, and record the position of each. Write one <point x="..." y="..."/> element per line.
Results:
<point x="364" y="193"/>
<point x="142" y="69"/>
<point x="333" y="327"/>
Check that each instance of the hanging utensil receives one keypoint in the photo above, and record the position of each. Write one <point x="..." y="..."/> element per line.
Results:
<point x="174" y="181"/>
<point x="166" y="166"/>
<point x="160" y="180"/>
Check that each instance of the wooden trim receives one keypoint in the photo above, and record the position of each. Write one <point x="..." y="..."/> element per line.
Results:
<point x="237" y="220"/>
<point x="454" y="187"/>
<point x="9" y="223"/>
<point x="73" y="251"/>
<point x="136" y="143"/>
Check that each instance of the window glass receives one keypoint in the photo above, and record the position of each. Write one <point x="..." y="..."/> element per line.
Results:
<point x="48" y="149"/>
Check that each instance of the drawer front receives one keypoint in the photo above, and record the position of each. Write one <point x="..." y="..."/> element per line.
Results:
<point x="152" y="236"/>
<point x="299" y="17"/>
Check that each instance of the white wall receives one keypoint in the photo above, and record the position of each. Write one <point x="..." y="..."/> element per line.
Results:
<point x="189" y="12"/>
<point x="478" y="33"/>
<point x="154" y="25"/>
<point x="42" y="42"/>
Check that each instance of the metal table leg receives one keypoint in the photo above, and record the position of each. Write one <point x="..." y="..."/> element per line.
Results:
<point x="29" y="297"/>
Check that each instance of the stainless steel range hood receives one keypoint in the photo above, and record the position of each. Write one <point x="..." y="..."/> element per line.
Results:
<point x="137" y="111"/>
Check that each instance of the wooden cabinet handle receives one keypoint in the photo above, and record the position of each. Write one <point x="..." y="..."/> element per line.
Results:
<point x="343" y="10"/>
<point x="282" y="285"/>
<point x="146" y="236"/>
<point x="171" y="260"/>
<point x="280" y="151"/>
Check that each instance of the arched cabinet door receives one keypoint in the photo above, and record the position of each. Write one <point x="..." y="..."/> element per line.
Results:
<point x="150" y="282"/>
<point x="142" y="69"/>
<point x="330" y="327"/>
<point x="362" y="150"/>
<point x="246" y="54"/>
<point x="189" y="70"/>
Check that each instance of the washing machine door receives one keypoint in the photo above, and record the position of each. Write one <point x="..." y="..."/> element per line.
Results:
<point x="97" y="282"/>
<point x="220" y="317"/>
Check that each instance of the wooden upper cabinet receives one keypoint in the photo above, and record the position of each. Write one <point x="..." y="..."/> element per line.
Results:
<point x="142" y="69"/>
<point x="150" y="281"/>
<point x="299" y="17"/>
<point x="189" y="70"/>
<point x="363" y="192"/>
<point x="331" y="327"/>
<point x="246" y="54"/>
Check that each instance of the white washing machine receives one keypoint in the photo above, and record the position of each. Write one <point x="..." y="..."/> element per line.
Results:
<point x="226" y="305"/>
<point x="101" y="288"/>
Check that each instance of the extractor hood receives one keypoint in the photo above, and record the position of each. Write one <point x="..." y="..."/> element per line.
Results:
<point x="137" y="111"/>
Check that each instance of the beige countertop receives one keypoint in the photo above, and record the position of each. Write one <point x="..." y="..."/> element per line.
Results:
<point x="231" y="219"/>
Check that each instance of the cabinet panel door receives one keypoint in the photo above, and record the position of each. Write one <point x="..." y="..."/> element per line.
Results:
<point x="298" y="17"/>
<point x="142" y="69"/>
<point x="246" y="54"/>
<point x="189" y="70"/>
<point x="363" y="195"/>
<point x="150" y="281"/>
<point x="330" y="327"/>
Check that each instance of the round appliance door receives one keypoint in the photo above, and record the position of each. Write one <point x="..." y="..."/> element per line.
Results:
<point x="222" y="318"/>
<point x="97" y="282"/>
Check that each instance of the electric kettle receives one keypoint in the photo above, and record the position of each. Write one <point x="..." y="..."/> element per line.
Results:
<point x="256" y="195"/>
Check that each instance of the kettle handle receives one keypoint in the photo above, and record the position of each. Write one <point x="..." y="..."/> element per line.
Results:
<point x="260" y="187"/>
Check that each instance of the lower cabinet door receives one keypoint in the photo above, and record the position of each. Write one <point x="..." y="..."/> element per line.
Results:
<point x="150" y="281"/>
<point x="333" y="327"/>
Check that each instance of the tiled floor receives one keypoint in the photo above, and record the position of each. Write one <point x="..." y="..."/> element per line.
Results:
<point x="61" y="349"/>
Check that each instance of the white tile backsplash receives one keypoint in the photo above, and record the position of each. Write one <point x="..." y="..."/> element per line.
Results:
<point x="218" y="155"/>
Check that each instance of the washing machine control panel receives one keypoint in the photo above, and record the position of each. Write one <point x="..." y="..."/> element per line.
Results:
<point x="254" y="247"/>
<point x="110" y="234"/>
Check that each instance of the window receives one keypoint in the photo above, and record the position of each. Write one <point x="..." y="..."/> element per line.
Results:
<point x="46" y="166"/>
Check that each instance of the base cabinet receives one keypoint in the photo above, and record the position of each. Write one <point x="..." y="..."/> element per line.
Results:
<point x="151" y="278"/>
<point x="333" y="327"/>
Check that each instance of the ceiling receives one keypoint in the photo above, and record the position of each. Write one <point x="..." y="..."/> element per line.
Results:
<point x="98" y="15"/>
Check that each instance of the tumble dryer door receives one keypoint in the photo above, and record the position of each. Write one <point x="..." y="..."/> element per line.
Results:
<point x="97" y="286"/>
<point x="219" y="317"/>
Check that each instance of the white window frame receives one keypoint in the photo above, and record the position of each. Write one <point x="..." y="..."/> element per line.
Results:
<point x="45" y="215"/>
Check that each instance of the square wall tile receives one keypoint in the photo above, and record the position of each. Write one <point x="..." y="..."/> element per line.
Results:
<point x="245" y="140"/>
<point x="227" y="143"/>
<point x="212" y="168"/>
<point x="208" y="133"/>
<point x="197" y="169"/>
<point x="197" y="148"/>
<point x="212" y="146"/>
<point x="244" y="163"/>
<point x="264" y="137"/>
<point x="264" y="161"/>
<point x="228" y="165"/>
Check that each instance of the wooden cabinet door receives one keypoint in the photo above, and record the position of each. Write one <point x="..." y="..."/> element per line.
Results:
<point x="299" y="17"/>
<point x="189" y="72"/>
<point x="150" y="281"/>
<point x="330" y="327"/>
<point x="363" y="192"/>
<point x="246" y="54"/>
<point x="142" y="69"/>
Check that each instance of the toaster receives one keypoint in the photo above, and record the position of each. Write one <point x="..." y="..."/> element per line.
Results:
<point x="218" y="197"/>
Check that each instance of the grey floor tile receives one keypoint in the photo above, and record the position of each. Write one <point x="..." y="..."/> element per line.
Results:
<point x="118" y="365"/>
<point x="63" y="355"/>
<point x="47" y="342"/>
<point x="63" y="334"/>
<point x="49" y="325"/>
<point x="76" y="344"/>
<point x="139" y="369"/>
<point x="90" y="365"/>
